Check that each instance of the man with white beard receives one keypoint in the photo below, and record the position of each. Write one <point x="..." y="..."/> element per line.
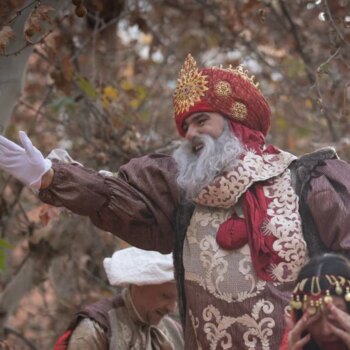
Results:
<point x="203" y="157"/>
<point x="241" y="217"/>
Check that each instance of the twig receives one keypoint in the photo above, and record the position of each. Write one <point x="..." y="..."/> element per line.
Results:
<point x="295" y="34"/>
<point x="47" y="116"/>
<point x="325" y="110"/>
<point x="46" y="97"/>
<point x="333" y="23"/>
<point x="319" y="68"/>
<point x="103" y="27"/>
<point x="19" y="12"/>
<point x="93" y="51"/>
<point x="27" y="44"/>
<point x="9" y="330"/>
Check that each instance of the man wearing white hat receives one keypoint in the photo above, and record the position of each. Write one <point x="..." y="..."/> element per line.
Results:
<point x="137" y="317"/>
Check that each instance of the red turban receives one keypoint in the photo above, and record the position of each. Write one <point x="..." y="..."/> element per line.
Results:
<point x="229" y="91"/>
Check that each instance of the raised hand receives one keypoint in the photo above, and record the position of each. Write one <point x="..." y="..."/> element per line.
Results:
<point x="341" y="326"/>
<point x="295" y="330"/>
<point x="26" y="163"/>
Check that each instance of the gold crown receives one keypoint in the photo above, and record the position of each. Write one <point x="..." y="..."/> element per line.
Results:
<point x="243" y="73"/>
<point x="191" y="86"/>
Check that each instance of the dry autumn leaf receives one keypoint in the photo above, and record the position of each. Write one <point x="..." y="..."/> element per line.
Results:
<point x="6" y="34"/>
<point x="48" y="213"/>
<point x="109" y="94"/>
<point x="37" y="21"/>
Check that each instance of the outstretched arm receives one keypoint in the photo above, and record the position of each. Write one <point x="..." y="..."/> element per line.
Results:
<point x="138" y="205"/>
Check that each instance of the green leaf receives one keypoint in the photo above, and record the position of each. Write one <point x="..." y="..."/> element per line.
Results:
<point x="86" y="87"/>
<point x="144" y="115"/>
<point x="62" y="102"/>
<point x="303" y="132"/>
<point x="5" y="244"/>
<point x="294" y="67"/>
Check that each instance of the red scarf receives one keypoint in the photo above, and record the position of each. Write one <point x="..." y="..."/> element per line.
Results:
<point x="236" y="232"/>
<point x="62" y="342"/>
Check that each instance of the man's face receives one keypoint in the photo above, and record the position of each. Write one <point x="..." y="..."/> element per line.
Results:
<point x="209" y="148"/>
<point x="153" y="302"/>
<point x="203" y="123"/>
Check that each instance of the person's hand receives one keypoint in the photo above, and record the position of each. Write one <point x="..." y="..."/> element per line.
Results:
<point x="295" y="330"/>
<point x="341" y="326"/>
<point x="25" y="163"/>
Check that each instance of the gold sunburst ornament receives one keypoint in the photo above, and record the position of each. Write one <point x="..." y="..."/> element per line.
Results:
<point x="223" y="88"/>
<point x="191" y="86"/>
<point x="239" y="111"/>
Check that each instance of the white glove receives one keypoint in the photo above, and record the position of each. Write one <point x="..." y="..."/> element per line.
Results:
<point x="26" y="164"/>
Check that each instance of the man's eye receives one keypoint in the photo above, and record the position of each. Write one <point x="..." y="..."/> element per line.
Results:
<point x="201" y="122"/>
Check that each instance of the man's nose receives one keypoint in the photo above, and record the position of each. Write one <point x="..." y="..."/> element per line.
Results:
<point x="171" y="306"/>
<point x="191" y="132"/>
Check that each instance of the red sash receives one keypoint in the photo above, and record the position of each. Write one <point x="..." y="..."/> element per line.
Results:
<point x="62" y="342"/>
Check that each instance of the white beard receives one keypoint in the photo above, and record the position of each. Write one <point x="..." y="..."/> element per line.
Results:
<point x="197" y="170"/>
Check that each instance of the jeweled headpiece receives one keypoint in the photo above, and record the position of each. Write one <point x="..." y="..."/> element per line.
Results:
<point x="229" y="91"/>
<point x="191" y="86"/>
<point x="313" y="292"/>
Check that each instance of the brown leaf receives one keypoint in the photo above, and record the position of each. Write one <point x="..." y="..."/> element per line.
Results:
<point x="43" y="11"/>
<point x="67" y="68"/>
<point x="6" y="34"/>
<point x="48" y="213"/>
<point x="37" y="21"/>
<point x="5" y="346"/>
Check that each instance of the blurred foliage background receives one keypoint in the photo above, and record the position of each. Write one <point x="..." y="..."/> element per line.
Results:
<point x="97" y="80"/>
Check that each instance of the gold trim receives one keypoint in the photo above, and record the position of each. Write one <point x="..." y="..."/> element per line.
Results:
<point x="243" y="73"/>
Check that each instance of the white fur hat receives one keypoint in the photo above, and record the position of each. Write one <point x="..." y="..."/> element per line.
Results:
<point x="140" y="267"/>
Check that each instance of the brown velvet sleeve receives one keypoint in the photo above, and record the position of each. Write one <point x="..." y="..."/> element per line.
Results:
<point x="138" y="205"/>
<point x="329" y="202"/>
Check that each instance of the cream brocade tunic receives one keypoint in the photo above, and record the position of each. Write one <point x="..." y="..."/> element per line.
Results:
<point x="228" y="306"/>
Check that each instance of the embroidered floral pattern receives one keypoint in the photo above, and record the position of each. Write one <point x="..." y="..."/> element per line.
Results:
<point x="213" y="272"/>
<point x="228" y="188"/>
<point x="285" y="224"/>
<point x="284" y="220"/>
<point x="195" y="326"/>
<point x="259" y="329"/>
